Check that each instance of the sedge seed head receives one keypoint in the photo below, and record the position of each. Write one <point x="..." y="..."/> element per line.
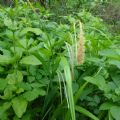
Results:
<point x="81" y="46"/>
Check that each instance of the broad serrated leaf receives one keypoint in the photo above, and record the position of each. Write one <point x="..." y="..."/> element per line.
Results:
<point x="98" y="81"/>
<point x="37" y="85"/>
<point x="14" y="77"/>
<point x="4" y="59"/>
<point x="19" y="105"/>
<point x="115" y="112"/>
<point x="115" y="62"/>
<point x="110" y="53"/>
<point x="3" y="83"/>
<point x="30" y="60"/>
<point x="37" y="31"/>
<point x="8" y="22"/>
<point x="7" y="94"/>
<point x="5" y="106"/>
<point x="106" y="106"/>
<point x="32" y="95"/>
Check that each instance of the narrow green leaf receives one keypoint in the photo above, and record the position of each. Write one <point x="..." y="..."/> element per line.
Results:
<point x="79" y="92"/>
<point x="85" y="112"/>
<point x="68" y="79"/>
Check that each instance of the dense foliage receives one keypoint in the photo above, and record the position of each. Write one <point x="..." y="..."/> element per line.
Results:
<point x="40" y="74"/>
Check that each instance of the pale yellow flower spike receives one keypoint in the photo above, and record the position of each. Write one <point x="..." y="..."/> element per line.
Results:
<point x="81" y="46"/>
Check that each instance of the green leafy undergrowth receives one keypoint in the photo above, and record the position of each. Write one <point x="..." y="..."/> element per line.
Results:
<point x="39" y="80"/>
<point x="30" y="49"/>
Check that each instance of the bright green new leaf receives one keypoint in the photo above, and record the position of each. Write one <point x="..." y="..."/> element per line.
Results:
<point x="8" y="22"/>
<point x="30" y="60"/>
<point x="19" y="76"/>
<point x="7" y="94"/>
<point x="11" y="78"/>
<point x="19" y="105"/>
<point x="19" y="90"/>
<point x="14" y="77"/>
<point x="4" y="59"/>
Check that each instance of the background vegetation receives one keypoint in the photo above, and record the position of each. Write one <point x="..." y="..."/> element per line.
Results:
<point x="60" y="60"/>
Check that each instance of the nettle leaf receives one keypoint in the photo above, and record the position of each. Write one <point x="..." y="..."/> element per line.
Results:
<point x="34" y="48"/>
<point x="115" y="112"/>
<point x="30" y="60"/>
<point x="37" y="85"/>
<point x="19" y="76"/>
<point x="98" y="81"/>
<point x="95" y="60"/>
<point x="19" y="105"/>
<point x="7" y="94"/>
<point x="117" y="91"/>
<point x="25" y="86"/>
<point x="32" y="95"/>
<point x="115" y="62"/>
<point x="5" y="106"/>
<point x="118" y="51"/>
<point x="11" y="78"/>
<point x="37" y="31"/>
<point x="4" y="59"/>
<point x="110" y="53"/>
<point x="19" y="51"/>
<point x="106" y="106"/>
<point x="9" y="34"/>
<point x="30" y="42"/>
<point x="31" y="79"/>
<point x="33" y="70"/>
<point x="8" y="22"/>
<point x="3" y="84"/>
<point x="19" y="90"/>
<point x="23" y="43"/>
<point x="14" y="77"/>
